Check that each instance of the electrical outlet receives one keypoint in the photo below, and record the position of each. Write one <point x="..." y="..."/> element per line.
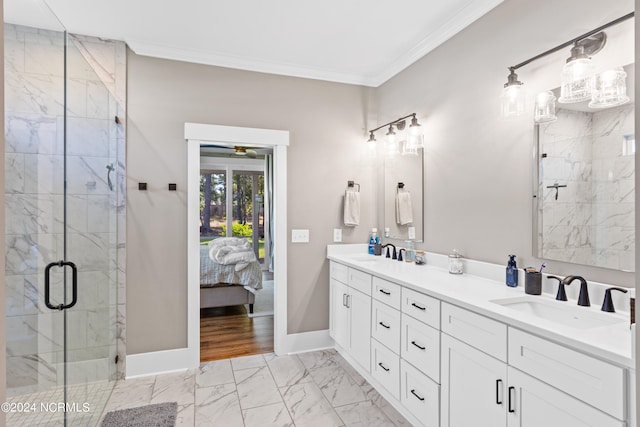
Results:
<point x="337" y="235"/>
<point x="300" y="236"/>
<point x="412" y="232"/>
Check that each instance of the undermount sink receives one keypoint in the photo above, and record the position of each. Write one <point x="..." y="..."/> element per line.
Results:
<point x="563" y="312"/>
<point x="364" y="258"/>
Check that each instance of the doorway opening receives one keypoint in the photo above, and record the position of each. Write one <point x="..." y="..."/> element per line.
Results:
<point x="236" y="276"/>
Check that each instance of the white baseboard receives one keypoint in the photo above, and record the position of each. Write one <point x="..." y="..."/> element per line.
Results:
<point x="160" y="362"/>
<point x="305" y="341"/>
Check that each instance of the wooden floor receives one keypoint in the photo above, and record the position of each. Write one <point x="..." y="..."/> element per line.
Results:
<point x="227" y="332"/>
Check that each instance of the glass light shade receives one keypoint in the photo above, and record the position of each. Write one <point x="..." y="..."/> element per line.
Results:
<point x="512" y="100"/>
<point x="577" y="81"/>
<point x="610" y="89"/>
<point x="544" y="110"/>
<point x="391" y="135"/>
<point x="416" y="141"/>
<point x="393" y="148"/>
<point x="409" y="149"/>
<point x="415" y="129"/>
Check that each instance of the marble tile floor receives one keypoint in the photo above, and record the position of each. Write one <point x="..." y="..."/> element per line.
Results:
<point x="310" y="389"/>
<point x="316" y="389"/>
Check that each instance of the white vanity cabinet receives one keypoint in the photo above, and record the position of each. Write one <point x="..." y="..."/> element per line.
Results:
<point x="350" y="312"/>
<point x="473" y="387"/>
<point x="530" y="402"/>
<point x="444" y="365"/>
<point x="477" y="383"/>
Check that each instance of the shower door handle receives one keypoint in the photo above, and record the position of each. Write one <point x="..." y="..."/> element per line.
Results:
<point x="74" y="285"/>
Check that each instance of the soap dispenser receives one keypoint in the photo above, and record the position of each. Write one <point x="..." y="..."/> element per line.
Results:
<point x="512" y="272"/>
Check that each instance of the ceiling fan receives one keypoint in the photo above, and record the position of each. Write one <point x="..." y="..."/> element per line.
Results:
<point x="238" y="150"/>
<point x="245" y="151"/>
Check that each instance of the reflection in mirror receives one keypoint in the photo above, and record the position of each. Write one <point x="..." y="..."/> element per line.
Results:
<point x="403" y="196"/>
<point x="585" y="192"/>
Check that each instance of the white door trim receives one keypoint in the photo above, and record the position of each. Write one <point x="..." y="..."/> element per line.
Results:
<point x="197" y="134"/>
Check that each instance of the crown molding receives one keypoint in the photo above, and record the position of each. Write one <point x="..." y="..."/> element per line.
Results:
<point x="462" y="19"/>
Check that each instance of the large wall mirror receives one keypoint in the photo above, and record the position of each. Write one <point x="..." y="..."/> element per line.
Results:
<point x="585" y="187"/>
<point x="403" y="196"/>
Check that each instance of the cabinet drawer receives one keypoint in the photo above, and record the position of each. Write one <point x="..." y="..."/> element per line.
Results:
<point x="385" y="325"/>
<point x="422" y="307"/>
<point x="339" y="272"/>
<point x="386" y="292"/>
<point x="385" y="368"/>
<point x="420" y="345"/>
<point x="591" y="380"/>
<point x="360" y="281"/>
<point x="477" y="331"/>
<point x="419" y="395"/>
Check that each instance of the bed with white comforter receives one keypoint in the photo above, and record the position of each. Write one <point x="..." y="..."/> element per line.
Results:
<point x="230" y="274"/>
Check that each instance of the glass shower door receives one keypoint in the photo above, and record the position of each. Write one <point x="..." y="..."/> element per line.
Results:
<point x="61" y="190"/>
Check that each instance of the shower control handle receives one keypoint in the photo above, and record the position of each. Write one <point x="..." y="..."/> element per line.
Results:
<point x="74" y="285"/>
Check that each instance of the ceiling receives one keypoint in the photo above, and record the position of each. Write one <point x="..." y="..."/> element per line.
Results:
<point x="358" y="41"/>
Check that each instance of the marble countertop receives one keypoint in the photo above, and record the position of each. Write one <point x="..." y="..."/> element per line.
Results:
<point x="476" y="293"/>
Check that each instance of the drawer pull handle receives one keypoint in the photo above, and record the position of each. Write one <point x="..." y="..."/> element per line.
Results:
<point x="344" y="298"/>
<point x="510" y="398"/>
<point x="418" y="307"/>
<point x="498" y="388"/>
<point x="385" y="292"/>
<point x="417" y="395"/>
<point x="418" y="345"/>
<point x="384" y="326"/>
<point x="383" y="367"/>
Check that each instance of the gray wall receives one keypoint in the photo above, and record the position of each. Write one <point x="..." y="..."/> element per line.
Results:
<point x="477" y="175"/>
<point x="478" y="168"/>
<point x="326" y="121"/>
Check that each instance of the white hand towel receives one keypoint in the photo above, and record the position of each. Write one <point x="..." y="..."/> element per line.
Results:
<point x="351" y="208"/>
<point x="404" y="208"/>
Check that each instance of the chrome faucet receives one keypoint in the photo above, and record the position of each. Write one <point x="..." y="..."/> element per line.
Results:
<point x="583" y="298"/>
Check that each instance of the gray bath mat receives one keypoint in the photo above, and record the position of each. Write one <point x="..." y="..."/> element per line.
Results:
<point x="157" y="415"/>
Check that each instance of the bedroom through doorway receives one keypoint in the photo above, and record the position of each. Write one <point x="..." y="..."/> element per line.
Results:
<point x="236" y="245"/>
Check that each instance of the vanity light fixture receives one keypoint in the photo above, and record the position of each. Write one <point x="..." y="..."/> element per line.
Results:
<point x="577" y="76"/>
<point x="512" y="95"/>
<point x="413" y="142"/>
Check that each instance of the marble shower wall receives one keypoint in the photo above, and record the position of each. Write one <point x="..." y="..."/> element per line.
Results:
<point x="592" y="220"/>
<point x="34" y="210"/>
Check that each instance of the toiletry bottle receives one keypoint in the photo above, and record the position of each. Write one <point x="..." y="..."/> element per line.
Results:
<point x="455" y="262"/>
<point x="512" y="272"/>
<point x="373" y="240"/>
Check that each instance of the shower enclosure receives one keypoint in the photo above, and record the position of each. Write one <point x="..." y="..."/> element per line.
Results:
<point x="64" y="178"/>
